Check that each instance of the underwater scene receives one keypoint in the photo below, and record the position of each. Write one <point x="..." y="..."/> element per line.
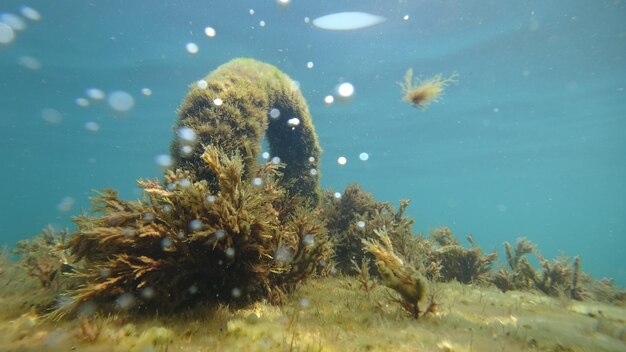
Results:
<point x="291" y="175"/>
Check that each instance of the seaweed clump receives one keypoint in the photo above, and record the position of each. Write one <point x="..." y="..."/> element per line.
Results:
<point x="421" y="93"/>
<point x="182" y="243"/>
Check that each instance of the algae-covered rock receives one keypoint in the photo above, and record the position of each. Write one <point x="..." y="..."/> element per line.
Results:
<point x="235" y="107"/>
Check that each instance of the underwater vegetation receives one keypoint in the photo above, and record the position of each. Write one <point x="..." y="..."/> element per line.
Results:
<point x="422" y="92"/>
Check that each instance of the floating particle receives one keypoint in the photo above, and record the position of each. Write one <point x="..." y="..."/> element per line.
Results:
<point x="95" y="93"/>
<point x="293" y="122"/>
<point x="329" y="99"/>
<point x="218" y="101"/>
<point x="146" y="91"/>
<point x="14" y="21"/>
<point x="236" y="292"/>
<point x="6" y="33"/>
<point x="30" y="13"/>
<point x="195" y="225"/>
<point x="364" y="156"/>
<point x="344" y="21"/>
<point x="361" y="224"/>
<point x="345" y="90"/>
<point x="309" y="65"/>
<point x="92" y="126"/>
<point x="51" y="115"/>
<point x="262" y="23"/>
<point x="86" y="309"/>
<point x="257" y="181"/>
<point x="186" y="135"/>
<point x="82" y="102"/>
<point x="121" y="101"/>
<point x="219" y="234"/>
<point x="66" y="204"/>
<point x="230" y="252"/>
<point x="342" y="160"/>
<point x="337" y="195"/>
<point x="274" y="113"/>
<point x="313" y="172"/>
<point x="192" y="48"/>
<point x="29" y="62"/>
<point x="275" y="160"/>
<point x="283" y="254"/>
<point x="210" y="32"/>
<point x="125" y="301"/>
<point x="147" y="293"/>
<point x="186" y="150"/>
<point x="210" y="198"/>
<point x="202" y="84"/>
<point x="265" y="155"/>
<point x="164" y="160"/>
<point x="308" y="240"/>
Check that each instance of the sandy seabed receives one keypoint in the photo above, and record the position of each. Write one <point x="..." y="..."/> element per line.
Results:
<point x="328" y="314"/>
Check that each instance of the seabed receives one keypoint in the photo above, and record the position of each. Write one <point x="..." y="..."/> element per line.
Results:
<point x="325" y="314"/>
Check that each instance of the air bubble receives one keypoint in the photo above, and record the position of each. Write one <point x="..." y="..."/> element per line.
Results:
<point x="342" y="160"/>
<point x="329" y="99"/>
<point x="164" y="160"/>
<point x="147" y="293"/>
<point x="364" y="156"/>
<point x="274" y="113"/>
<point x="186" y="150"/>
<point x="275" y="160"/>
<point x="361" y="224"/>
<point x="95" y="93"/>
<point x="218" y="101"/>
<point x="148" y="217"/>
<point x="236" y="292"/>
<point x="167" y="244"/>
<point x="186" y="135"/>
<point x="66" y="204"/>
<point x="345" y="90"/>
<point x="262" y="23"/>
<point x="92" y="126"/>
<point x="210" y="32"/>
<point x="309" y="65"/>
<point x="265" y="155"/>
<point x="192" y="48"/>
<point x="82" y="102"/>
<point x="210" y="198"/>
<point x="283" y="254"/>
<point x="219" y="234"/>
<point x="30" y="13"/>
<point x="184" y="183"/>
<point x="29" y="62"/>
<point x="146" y="91"/>
<point x="293" y="122"/>
<point x="230" y="252"/>
<point x="195" y="225"/>
<point x="313" y="172"/>
<point x="6" y="33"/>
<point x="125" y="301"/>
<point x="337" y="195"/>
<point x="308" y="240"/>
<point x="257" y="181"/>
<point x="121" y="101"/>
<point x="202" y="84"/>
<point x="51" y="116"/>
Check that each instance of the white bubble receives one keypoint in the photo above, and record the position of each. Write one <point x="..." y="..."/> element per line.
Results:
<point x="210" y="198"/>
<point x="275" y="160"/>
<point x="210" y="32"/>
<point x="219" y="234"/>
<point x="283" y="254"/>
<point x="82" y="102"/>
<point x="186" y="150"/>
<point x="29" y="62"/>
<point x="361" y="224"/>
<point x="147" y="293"/>
<point x="66" y="204"/>
<point x="30" y="13"/>
<point x="186" y="135"/>
<point x="230" y="252"/>
<point x="184" y="183"/>
<point x="308" y="240"/>
<point x="342" y="160"/>
<point x="121" y="101"/>
<point x="51" y="115"/>
<point x="14" y="21"/>
<point x="265" y="155"/>
<point x="313" y="172"/>
<point x="345" y="90"/>
<point x="251" y="11"/>
<point x="309" y="65"/>
<point x="293" y="122"/>
<point x="311" y="159"/>
<point x="405" y="17"/>
<point x="274" y="113"/>
<point x="95" y="93"/>
<point x="146" y="91"/>
<point x="257" y="181"/>
<point x="202" y="84"/>
<point x="262" y="23"/>
<point x="164" y="160"/>
<point x="364" y="156"/>
<point x="329" y="99"/>
<point x="192" y="48"/>
<point x="307" y="20"/>
<point x="92" y="126"/>
<point x="195" y="225"/>
<point x="337" y="195"/>
<point x="125" y="301"/>
<point x="6" y="33"/>
<point x="218" y="101"/>
<point x="305" y="303"/>
<point x="236" y="292"/>
<point x="167" y="244"/>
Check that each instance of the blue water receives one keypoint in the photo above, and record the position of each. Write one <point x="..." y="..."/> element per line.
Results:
<point x="531" y="142"/>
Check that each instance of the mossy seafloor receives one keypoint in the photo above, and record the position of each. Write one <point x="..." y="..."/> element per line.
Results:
<point x="329" y="314"/>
